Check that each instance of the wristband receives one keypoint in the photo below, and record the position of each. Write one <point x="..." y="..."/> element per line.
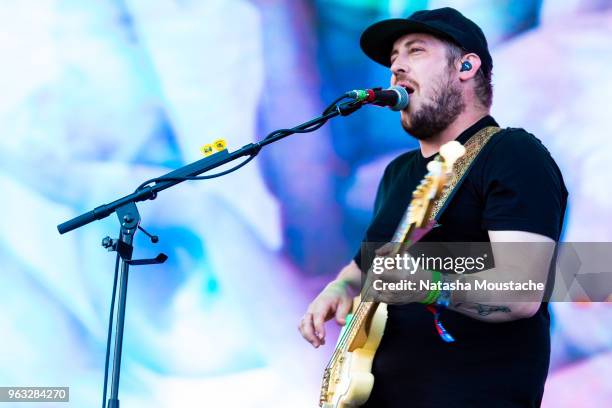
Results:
<point x="344" y="283"/>
<point x="433" y="294"/>
<point x="441" y="298"/>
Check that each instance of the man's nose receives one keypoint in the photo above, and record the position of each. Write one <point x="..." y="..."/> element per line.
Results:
<point x="398" y="69"/>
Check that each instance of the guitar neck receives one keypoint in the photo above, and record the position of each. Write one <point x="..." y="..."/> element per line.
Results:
<point x="407" y="234"/>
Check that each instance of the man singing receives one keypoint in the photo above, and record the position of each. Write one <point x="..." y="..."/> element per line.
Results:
<point x="513" y="192"/>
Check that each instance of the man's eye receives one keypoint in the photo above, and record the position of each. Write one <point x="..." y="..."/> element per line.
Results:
<point x="413" y="50"/>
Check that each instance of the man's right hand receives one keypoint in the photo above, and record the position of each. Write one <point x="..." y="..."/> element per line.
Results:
<point x="334" y="301"/>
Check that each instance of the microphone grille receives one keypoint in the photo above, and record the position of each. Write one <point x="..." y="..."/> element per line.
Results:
<point x="403" y="98"/>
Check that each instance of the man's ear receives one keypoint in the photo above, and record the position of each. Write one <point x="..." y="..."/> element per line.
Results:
<point x="468" y="66"/>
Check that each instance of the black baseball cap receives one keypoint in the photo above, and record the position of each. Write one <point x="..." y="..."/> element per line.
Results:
<point x="446" y="23"/>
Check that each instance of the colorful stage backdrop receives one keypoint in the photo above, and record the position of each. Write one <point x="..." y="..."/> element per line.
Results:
<point x="98" y="96"/>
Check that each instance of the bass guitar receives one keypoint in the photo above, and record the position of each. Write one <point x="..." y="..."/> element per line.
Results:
<point x="347" y="379"/>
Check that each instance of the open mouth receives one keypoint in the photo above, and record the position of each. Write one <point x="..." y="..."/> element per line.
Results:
<point x="407" y="87"/>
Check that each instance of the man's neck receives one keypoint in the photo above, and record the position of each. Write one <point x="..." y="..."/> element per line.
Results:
<point x="431" y="146"/>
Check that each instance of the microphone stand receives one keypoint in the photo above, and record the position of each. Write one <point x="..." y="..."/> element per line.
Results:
<point x="129" y="218"/>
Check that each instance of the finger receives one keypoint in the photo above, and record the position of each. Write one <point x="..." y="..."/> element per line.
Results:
<point x="319" y="326"/>
<point x="307" y="329"/>
<point x="343" y="309"/>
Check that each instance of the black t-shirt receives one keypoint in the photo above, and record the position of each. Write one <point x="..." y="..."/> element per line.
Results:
<point x="514" y="184"/>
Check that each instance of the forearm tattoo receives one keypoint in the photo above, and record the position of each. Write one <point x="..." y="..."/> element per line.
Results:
<point x="482" y="310"/>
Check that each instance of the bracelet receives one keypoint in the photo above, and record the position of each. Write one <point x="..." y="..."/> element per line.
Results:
<point x="343" y="283"/>
<point x="433" y="294"/>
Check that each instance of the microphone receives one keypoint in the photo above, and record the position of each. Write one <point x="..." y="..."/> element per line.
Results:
<point x="395" y="97"/>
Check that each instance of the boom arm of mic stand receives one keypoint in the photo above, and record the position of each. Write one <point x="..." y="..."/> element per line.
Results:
<point x="199" y="167"/>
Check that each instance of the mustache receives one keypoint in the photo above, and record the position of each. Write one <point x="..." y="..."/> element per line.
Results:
<point x="404" y="80"/>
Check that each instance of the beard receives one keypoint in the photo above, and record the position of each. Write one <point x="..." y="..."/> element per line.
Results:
<point x="435" y="116"/>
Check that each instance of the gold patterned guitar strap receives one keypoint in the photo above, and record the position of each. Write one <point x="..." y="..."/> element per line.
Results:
<point x="462" y="166"/>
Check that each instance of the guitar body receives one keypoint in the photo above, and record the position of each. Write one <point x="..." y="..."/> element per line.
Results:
<point x="351" y="379"/>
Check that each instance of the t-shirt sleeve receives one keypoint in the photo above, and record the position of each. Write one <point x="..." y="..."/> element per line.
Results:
<point x="523" y="187"/>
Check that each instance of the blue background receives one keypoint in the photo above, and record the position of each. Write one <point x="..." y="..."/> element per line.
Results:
<point x="97" y="96"/>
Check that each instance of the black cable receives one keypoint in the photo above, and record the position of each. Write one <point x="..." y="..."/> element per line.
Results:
<point x="294" y="130"/>
<point x="223" y="173"/>
<point x="312" y="128"/>
<point x="327" y="110"/>
<point x="110" y="327"/>
<point x="332" y="105"/>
